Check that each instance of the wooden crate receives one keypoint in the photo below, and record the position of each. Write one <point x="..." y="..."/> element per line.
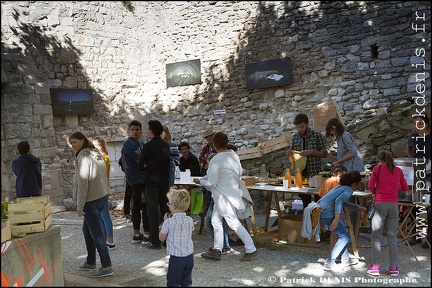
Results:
<point x="43" y="199"/>
<point x="269" y="146"/>
<point x="6" y="233"/>
<point x="30" y="214"/>
<point x="250" y="153"/>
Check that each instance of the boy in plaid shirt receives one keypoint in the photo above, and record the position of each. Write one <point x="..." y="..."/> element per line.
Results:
<point x="177" y="231"/>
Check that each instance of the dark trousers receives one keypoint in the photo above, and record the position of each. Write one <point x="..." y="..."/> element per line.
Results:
<point x="139" y="209"/>
<point x="154" y="197"/>
<point x="180" y="271"/>
<point x="127" y="199"/>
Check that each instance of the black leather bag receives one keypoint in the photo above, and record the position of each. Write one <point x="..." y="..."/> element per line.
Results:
<point x="371" y="211"/>
<point x="371" y="208"/>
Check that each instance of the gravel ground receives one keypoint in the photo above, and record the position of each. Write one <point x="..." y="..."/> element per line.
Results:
<point x="276" y="264"/>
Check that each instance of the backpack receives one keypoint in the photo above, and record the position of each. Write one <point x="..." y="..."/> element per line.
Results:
<point x="120" y="163"/>
<point x="315" y="216"/>
<point x="311" y="219"/>
<point x="311" y="216"/>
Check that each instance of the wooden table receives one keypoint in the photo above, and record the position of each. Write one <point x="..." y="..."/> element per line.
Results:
<point x="189" y="181"/>
<point x="407" y="229"/>
<point x="273" y="194"/>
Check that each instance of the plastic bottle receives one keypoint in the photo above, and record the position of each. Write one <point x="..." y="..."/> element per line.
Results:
<point x="298" y="179"/>
<point x="366" y="182"/>
<point x="288" y="177"/>
<point x="177" y="172"/>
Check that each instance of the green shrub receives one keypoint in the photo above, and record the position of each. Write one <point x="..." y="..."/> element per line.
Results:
<point x="4" y="210"/>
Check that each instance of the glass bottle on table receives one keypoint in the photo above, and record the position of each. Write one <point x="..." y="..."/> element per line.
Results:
<point x="298" y="179"/>
<point x="366" y="182"/>
<point x="288" y="177"/>
<point x="263" y="173"/>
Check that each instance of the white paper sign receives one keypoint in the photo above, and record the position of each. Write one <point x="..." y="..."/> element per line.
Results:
<point x="408" y="174"/>
<point x="220" y="111"/>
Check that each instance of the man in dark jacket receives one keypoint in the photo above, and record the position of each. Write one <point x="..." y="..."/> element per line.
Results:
<point x="28" y="170"/>
<point x="155" y="160"/>
<point x="188" y="160"/>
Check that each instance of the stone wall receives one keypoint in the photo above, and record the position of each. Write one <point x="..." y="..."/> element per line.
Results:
<point x="367" y="56"/>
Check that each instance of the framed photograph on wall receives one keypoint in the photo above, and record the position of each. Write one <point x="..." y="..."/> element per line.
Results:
<point x="271" y="73"/>
<point x="183" y="73"/>
<point x="66" y="101"/>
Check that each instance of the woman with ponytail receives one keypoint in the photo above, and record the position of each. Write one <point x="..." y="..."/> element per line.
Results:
<point x="385" y="182"/>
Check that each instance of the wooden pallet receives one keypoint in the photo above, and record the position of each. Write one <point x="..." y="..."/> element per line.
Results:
<point x="272" y="145"/>
<point x="250" y="153"/>
<point x="30" y="215"/>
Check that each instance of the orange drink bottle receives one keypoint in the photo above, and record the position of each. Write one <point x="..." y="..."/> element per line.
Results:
<point x="298" y="179"/>
<point x="288" y="177"/>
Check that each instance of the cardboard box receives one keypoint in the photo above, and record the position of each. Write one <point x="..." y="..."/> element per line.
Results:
<point x="289" y="228"/>
<point x="30" y="214"/>
<point x="249" y="180"/>
<point x="323" y="112"/>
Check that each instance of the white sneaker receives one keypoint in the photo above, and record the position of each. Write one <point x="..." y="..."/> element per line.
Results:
<point x="145" y="241"/>
<point x="349" y="261"/>
<point x="226" y="250"/>
<point x="332" y="267"/>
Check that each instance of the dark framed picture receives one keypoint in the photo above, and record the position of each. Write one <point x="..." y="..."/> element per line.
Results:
<point x="183" y="73"/>
<point x="271" y="73"/>
<point x="72" y="101"/>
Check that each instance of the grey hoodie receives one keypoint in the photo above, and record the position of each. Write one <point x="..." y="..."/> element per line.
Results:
<point x="90" y="181"/>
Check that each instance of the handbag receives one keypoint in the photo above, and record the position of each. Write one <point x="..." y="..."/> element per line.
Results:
<point x="371" y="208"/>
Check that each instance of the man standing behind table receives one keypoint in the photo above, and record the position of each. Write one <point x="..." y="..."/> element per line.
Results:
<point x="28" y="170"/>
<point x="188" y="160"/>
<point x="206" y="150"/>
<point x="155" y="160"/>
<point x="311" y="144"/>
<point x="131" y="151"/>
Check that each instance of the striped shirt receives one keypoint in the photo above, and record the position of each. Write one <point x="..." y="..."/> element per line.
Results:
<point x="179" y="234"/>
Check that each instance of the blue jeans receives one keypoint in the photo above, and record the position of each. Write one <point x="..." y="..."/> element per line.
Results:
<point x="209" y="227"/>
<point x="179" y="272"/>
<point x="340" y="247"/>
<point x="171" y="173"/>
<point x="107" y="223"/>
<point x="93" y="231"/>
